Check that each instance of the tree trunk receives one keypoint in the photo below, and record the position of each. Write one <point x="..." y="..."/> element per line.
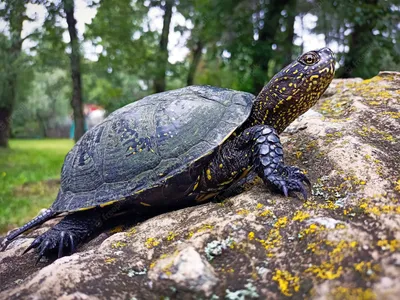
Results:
<point x="76" y="101"/>
<point x="196" y="56"/>
<point x="288" y="47"/>
<point x="5" y="117"/>
<point x="263" y="48"/>
<point x="159" y="81"/>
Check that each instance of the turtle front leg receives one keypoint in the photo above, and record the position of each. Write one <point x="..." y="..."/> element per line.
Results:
<point x="269" y="164"/>
<point x="64" y="237"/>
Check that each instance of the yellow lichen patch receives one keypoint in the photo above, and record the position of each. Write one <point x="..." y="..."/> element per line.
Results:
<point x="117" y="245"/>
<point x="171" y="236"/>
<point x="260" y="206"/>
<point x="300" y="216"/>
<point x="272" y="240"/>
<point x="190" y="234"/>
<point x="205" y="227"/>
<point x="326" y="270"/>
<point x="392" y="114"/>
<point x="151" y="242"/>
<point x="340" y="226"/>
<point x="366" y="131"/>
<point x="343" y="293"/>
<point x="313" y="228"/>
<point x="397" y="186"/>
<point x="152" y="264"/>
<point x="109" y="260"/>
<point x="131" y="232"/>
<point x="266" y="213"/>
<point x="243" y="212"/>
<point x="391" y="245"/>
<point x="367" y="269"/>
<point x="281" y="222"/>
<point x="251" y="236"/>
<point x="288" y="284"/>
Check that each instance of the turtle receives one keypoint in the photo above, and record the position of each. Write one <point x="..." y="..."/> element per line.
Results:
<point x="180" y="148"/>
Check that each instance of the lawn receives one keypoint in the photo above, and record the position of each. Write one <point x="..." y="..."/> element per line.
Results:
<point x="29" y="178"/>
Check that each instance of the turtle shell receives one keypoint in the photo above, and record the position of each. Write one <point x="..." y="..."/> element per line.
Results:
<point x="159" y="141"/>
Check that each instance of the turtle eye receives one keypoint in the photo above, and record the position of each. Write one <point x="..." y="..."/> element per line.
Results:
<point x="309" y="58"/>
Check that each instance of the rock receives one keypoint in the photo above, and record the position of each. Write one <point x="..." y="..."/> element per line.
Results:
<point x="187" y="269"/>
<point x="342" y="243"/>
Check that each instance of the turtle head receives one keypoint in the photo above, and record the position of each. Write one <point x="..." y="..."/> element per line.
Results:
<point x="295" y="89"/>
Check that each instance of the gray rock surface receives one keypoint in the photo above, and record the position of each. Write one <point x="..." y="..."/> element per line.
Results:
<point x="342" y="243"/>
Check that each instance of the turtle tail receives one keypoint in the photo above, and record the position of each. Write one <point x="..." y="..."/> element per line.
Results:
<point x="46" y="215"/>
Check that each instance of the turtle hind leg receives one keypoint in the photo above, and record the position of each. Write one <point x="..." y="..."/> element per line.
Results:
<point x="63" y="238"/>
<point x="40" y="219"/>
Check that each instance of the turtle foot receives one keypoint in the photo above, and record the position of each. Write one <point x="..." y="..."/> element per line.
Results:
<point x="288" y="179"/>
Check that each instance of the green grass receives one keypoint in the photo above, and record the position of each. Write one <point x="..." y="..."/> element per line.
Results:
<point x="26" y="170"/>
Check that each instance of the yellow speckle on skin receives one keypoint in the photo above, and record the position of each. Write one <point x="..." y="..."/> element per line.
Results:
<point x="208" y="173"/>
<point x="287" y="283"/>
<point x="221" y="166"/>
<point x="144" y="204"/>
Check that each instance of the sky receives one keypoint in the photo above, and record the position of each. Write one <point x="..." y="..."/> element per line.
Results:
<point x="177" y="41"/>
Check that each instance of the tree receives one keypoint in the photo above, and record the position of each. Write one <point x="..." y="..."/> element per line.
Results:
<point x="159" y="80"/>
<point x="76" y="102"/>
<point x="10" y="52"/>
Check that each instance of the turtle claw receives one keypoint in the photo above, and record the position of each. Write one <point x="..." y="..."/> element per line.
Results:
<point x="285" y="190"/>
<point x="72" y="245"/>
<point x="289" y="179"/>
<point x="61" y="244"/>
<point x="43" y="251"/>
<point x="34" y="244"/>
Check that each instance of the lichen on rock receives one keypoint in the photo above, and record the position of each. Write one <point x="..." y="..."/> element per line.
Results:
<point x="341" y="243"/>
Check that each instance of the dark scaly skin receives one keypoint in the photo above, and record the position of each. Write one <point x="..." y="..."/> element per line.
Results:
<point x="256" y="145"/>
<point x="254" y="148"/>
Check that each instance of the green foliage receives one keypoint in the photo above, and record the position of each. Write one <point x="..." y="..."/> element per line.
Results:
<point x="47" y="105"/>
<point x="24" y="169"/>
